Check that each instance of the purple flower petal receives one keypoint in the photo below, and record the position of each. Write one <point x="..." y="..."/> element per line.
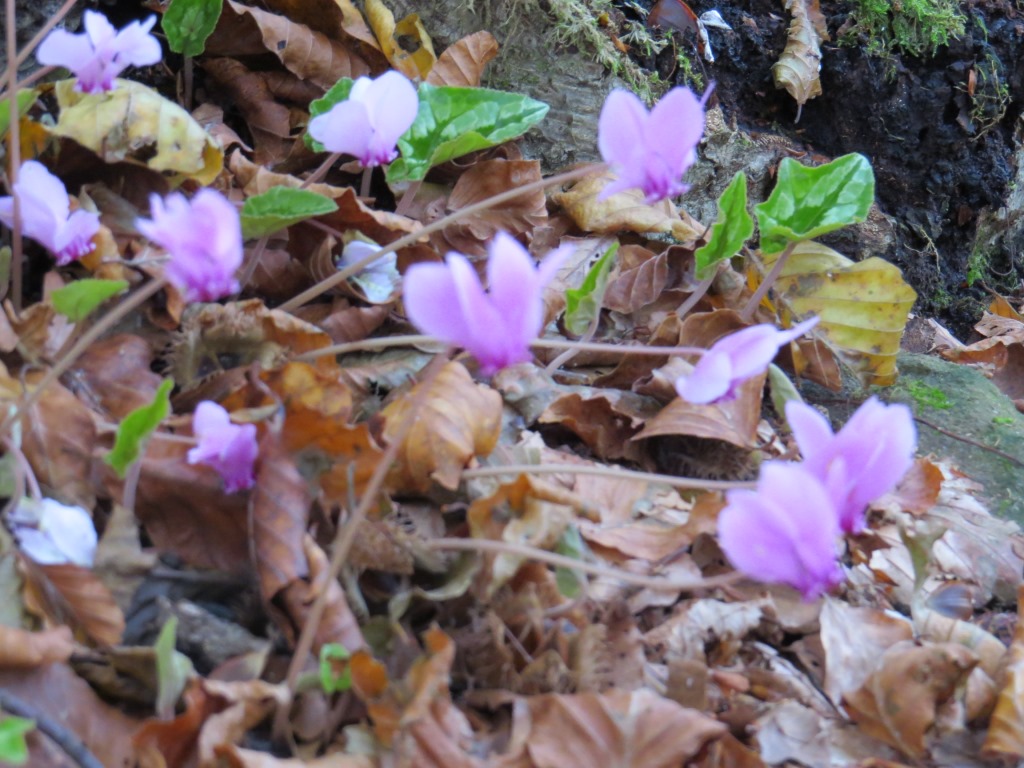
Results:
<point x="44" y="207"/>
<point x="450" y="303"/>
<point x="203" y="239"/>
<point x="784" y="532"/>
<point x="51" y="533"/>
<point x="230" y="449"/>
<point x="369" y="123"/>
<point x="650" y="151"/>
<point x="101" y="53"/>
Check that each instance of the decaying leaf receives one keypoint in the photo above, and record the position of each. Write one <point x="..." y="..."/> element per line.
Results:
<point x="798" y="67"/>
<point x="1005" y="736"/>
<point x="137" y="124"/>
<point x="414" y="56"/>
<point x="21" y="649"/>
<point x="458" y="420"/>
<point x="863" y="306"/>
<point x="463" y="62"/>
<point x="73" y="595"/>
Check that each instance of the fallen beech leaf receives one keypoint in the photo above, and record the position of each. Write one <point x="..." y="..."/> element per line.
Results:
<point x="59" y="438"/>
<point x="635" y="728"/>
<point x="136" y="124"/>
<point x="863" y="306"/>
<point x="623" y="212"/>
<point x="462" y="63"/>
<point x="414" y="56"/>
<point x="339" y="20"/>
<point x="522" y="214"/>
<point x="1005" y="737"/>
<point x="798" y="67"/>
<point x="304" y="52"/>
<point x="71" y="594"/>
<point x="934" y="626"/>
<point x="459" y="419"/>
<point x="21" y="649"/>
<point x="56" y="691"/>
<point x="899" y="701"/>
<point x="606" y="420"/>
<point x="114" y="376"/>
<point x="639" y="279"/>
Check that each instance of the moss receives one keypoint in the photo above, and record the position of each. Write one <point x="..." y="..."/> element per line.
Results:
<point x="926" y="396"/>
<point x="913" y="27"/>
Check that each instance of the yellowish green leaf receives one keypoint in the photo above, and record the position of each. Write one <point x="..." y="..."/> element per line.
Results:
<point x="137" y="124"/>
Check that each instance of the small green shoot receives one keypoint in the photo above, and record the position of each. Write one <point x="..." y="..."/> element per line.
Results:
<point x="731" y="229"/>
<point x="583" y="304"/>
<point x="13" y="749"/>
<point x="79" y="299"/>
<point x="136" y="428"/>
<point x="173" y="669"/>
<point x="335" y="675"/>
<point x="571" y="544"/>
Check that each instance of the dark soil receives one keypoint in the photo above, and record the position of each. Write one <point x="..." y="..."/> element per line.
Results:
<point x="938" y="171"/>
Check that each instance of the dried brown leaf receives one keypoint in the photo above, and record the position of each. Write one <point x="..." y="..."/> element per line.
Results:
<point x="21" y="649"/>
<point x="898" y="703"/>
<point x="459" y="419"/>
<point x="462" y="63"/>
<point x="798" y="67"/>
<point x="1005" y="737"/>
<point x="339" y="20"/>
<point x="637" y="728"/>
<point x="113" y="375"/>
<point x="640" y="278"/>
<point x="73" y="595"/>
<point x="607" y="420"/>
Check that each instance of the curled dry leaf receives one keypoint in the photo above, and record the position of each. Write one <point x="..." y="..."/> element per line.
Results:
<point x="623" y="212"/>
<point x="459" y="419"/>
<point x="136" y="124"/>
<point x="486" y="179"/>
<point x="73" y="595"/>
<point x="606" y="420"/>
<point x="406" y="44"/>
<point x="636" y="728"/>
<point x="339" y="20"/>
<point x="899" y="702"/>
<point x="798" y="67"/>
<point x="1005" y="737"/>
<point x="59" y="438"/>
<point x="21" y="649"/>
<point x="304" y="52"/>
<point x="462" y="63"/>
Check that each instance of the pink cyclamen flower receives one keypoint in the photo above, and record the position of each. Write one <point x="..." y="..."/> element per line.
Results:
<point x="785" y="532"/>
<point x="44" y="209"/>
<point x="735" y="358"/>
<point x="203" y="238"/>
<point x="101" y="53"/>
<point x="650" y="150"/>
<point x="370" y="121"/>
<point x="863" y="461"/>
<point x="447" y="301"/>
<point x="54" y="534"/>
<point x="230" y="449"/>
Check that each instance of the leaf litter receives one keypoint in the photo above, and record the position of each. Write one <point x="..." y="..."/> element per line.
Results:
<point x="497" y="604"/>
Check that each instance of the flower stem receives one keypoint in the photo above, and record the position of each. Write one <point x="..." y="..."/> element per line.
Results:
<point x="103" y="325"/>
<point x="347" y="533"/>
<point x="14" y="150"/>
<point x="402" y="242"/>
<point x="321" y="171"/>
<point x="412" y="340"/>
<point x="698" y="294"/>
<point x="364" y="184"/>
<point x="254" y="262"/>
<point x="407" y="197"/>
<point x="618" y="474"/>
<point x="755" y="301"/>
<point x="542" y="555"/>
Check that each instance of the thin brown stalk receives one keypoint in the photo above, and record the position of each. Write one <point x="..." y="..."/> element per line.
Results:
<point x="14" y="152"/>
<point x="624" y="474"/>
<point x="762" y="290"/>
<point x="321" y="171"/>
<point x="661" y="583"/>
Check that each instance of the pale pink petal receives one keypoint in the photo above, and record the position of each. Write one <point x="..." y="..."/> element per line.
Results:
<point x="228" y="448"/>
<point x="489" y="340"/>
<point x="136" y="47"/>
<point x="784" y="532"/>
<point x="750" y="349"/>
<point x="51" y="533"/>
<point x="344" y="128"/>
<point x="35" y="182"/>
<point x="74" y="240"/>
<point x="392" y="104"/>
<point x="62" y="49"/>
<point x="432" y="302"/>
<point x="513" y="282"/>
<point x="99" y="30"/>
<point x="812" y="431"/>
<point x="674" y="128"/>
<point x="710" y="381"/>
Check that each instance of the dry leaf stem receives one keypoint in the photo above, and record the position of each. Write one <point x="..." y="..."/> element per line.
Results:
<point x="664" y="584"/>
<point x="336" y="279"/>
<point x="14" y="152"/>
<point x="346" y="535"/>
<point x="618" y="474"/>
<point x="767" y="283"/>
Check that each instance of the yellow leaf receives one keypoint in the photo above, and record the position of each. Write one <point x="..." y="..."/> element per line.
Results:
<point x="863" y="306"/>
<point x="415" y="64"/>
<point x="137" y="124"/>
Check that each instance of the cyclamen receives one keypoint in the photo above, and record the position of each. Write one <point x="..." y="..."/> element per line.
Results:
<point x="231" y="449"/>
<point x="448" y="301"/>
<point x="98" y="55"/>
<point x="44" y="210"/>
